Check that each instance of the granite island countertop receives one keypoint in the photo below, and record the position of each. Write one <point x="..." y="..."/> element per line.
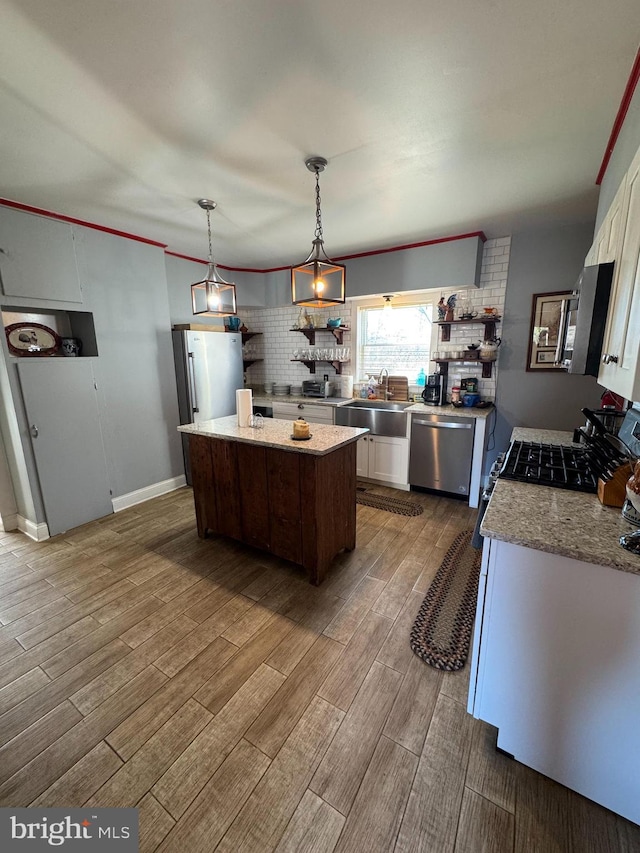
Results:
<point x="572" y="524"/>
<point x="276" y="433"/>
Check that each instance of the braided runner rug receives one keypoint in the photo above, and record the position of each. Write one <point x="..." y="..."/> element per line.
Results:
<point x="441" y="633"/>
<point x="396" y="505"/>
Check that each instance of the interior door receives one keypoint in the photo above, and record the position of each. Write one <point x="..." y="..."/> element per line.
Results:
<point x="62" y="410"/>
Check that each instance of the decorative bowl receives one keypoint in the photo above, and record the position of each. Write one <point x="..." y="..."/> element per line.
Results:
<point x="333" y="324"/>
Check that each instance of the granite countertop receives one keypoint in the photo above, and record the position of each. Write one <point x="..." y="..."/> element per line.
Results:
<point x="277" y="433"/>
<point x="572" y="524"/>
<point x="448" y="409"/>
<point x="413" y="408"/>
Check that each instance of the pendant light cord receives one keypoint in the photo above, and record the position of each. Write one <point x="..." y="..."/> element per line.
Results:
<point x="318" y="233"/>
<point x="211" y="262"/>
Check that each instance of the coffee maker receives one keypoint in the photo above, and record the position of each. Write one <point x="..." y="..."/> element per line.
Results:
<point x="433" y="389"/>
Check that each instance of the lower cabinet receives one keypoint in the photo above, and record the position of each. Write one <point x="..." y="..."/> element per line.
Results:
<point x="555" y="669"/>
<point x="383" y="458"/>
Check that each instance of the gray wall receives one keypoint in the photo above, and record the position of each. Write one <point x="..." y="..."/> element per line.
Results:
<point x="624" y="152"/>
<point x="251" y="289"/>
<point x="445" y="265"/>
<point x="542" y="260"/>
<point x="124" y="286"/>
<point x="455" y="263"/>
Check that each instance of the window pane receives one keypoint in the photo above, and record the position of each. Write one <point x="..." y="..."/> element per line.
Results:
<point x="399" y="339"/>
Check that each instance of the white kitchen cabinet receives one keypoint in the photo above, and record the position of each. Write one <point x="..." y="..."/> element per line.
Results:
<point x="555" y="669"/>
<point x="320" y="413"/>
<point x="384" y="459"/>
<point x="37" y="258"/>
<point x="620" y="368"/>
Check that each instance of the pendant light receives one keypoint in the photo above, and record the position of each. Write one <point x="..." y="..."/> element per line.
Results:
<point x="213" y="296"/>
<point x="318" y="281"/>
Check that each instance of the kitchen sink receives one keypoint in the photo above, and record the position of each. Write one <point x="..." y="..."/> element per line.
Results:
<point x="381" y="417"/>
<point x="378" y="404"/>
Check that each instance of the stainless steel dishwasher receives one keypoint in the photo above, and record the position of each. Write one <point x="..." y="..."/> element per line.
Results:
<point x="441" y="452"/>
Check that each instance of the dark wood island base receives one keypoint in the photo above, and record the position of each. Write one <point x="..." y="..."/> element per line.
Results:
<point x="298" y="506"/>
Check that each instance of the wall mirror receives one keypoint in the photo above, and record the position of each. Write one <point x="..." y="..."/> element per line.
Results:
<point x="547" y="322"/>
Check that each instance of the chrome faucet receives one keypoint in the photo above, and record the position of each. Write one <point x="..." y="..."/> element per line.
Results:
<point x="384" y="374"/>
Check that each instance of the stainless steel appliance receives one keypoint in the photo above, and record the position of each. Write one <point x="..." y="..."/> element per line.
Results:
<point x="316" y="388"/>
<point x="209" y="370"/>
<point x="494" y="473"/>
<point x="584" y="316"/>
<point x="441" y="452"/>
<point x="433" y="390"/>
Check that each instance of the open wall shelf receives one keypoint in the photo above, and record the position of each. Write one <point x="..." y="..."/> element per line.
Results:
<point x="489" y="324"/>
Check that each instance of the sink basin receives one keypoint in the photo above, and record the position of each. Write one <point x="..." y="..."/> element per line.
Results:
<point x="378" y="404"/>
<point x="381" y="417"/>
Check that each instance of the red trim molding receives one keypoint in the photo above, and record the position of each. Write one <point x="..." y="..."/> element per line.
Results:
<point x="60" y="216"/>
<point x="479" y="234"/>
<point x="223" y="266"/>
<point x="632" y="82"/>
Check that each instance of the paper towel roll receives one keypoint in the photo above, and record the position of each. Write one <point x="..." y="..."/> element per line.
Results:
<point x="346" y="386"/>
<point x="244" y="406"/>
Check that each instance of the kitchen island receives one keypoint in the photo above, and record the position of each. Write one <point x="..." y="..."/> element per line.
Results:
<point x="557" y="637"/>
<point x="295" y="499"/>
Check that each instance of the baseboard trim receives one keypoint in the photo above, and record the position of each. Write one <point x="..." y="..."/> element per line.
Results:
<point x="152" y="491"/>
<point x="37" y="532"/>
<point x="9" y="522"/>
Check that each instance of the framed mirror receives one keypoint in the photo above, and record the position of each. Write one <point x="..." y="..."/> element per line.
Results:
<point x="545" y="333"/>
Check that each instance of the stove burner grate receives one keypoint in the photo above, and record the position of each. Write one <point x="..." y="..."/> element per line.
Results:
<point x="549" y="465"/>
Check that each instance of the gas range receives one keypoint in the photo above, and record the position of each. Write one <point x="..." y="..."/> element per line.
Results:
<point x="554" y="465"/>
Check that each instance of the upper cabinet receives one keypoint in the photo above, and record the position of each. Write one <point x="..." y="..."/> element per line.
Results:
<point x="37" y="258"/>
<point x="620" y="368"/>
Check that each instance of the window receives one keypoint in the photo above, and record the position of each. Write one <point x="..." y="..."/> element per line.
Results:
<point x="398" y="338"/>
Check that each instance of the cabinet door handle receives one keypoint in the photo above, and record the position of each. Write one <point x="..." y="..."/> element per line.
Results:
<point x="605" y="358"/>
<point x="34" y="431"/>
<point x="613" y="359"/>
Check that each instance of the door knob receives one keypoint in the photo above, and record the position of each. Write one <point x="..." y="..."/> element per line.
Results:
<point x="34" y="431"/>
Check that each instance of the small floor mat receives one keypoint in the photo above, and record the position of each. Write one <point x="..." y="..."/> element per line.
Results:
<point x="441" y="634"/>
<point x="396" y="505"/>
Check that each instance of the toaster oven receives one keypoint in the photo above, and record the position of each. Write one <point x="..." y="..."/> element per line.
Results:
<point x="316" y="388"/>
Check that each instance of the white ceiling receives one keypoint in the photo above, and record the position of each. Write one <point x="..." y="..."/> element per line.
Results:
<point x="438" y="117"/>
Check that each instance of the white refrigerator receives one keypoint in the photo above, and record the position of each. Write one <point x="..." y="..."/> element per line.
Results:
<point x="209" y="370"/>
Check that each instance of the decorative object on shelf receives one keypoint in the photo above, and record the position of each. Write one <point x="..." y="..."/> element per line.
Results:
<point x="71" y="347"/>
<point x="334" y="323"/>
<point x="490" y="312"/>
<point x="451" y="304"/>
<point x="318" y="281"/>
<point x="32" y="339"/>
<point x="243" y="328"/>
<point x="489" y="349"/>
<point x="465" y="312"/>
<point x="233" y="324"/>
<point x="213" y="296"/>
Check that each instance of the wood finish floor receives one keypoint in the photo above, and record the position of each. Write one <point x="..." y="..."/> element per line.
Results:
<point x="242" y="709"/>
